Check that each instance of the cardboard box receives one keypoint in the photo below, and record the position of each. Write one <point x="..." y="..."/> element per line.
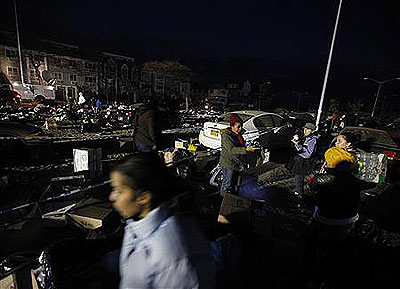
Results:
<point x="22" y="279"/>
<point x="234" y="209"/>
<point x="9" y="282"/>
<point x="91" y="213"/>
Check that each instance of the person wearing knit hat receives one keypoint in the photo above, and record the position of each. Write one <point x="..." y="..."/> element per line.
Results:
<point x="234" y="118"/>
<point x="232" y="155"/>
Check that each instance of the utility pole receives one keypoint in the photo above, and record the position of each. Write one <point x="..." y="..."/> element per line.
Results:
<point x="19" y="45"/>
<point x="328" y="66"/>
<point x="380" y="83"/>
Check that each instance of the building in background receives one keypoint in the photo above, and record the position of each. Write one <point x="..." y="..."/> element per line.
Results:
<point x="118" y="77"/>
<point x="239" y="94"/>
<point x="168" y="81"/>
<point x="69" y="69"/>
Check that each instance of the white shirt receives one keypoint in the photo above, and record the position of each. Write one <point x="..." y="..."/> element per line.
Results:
<point x="81" y="99"/>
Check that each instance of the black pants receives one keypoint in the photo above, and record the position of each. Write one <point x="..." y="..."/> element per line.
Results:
<point x="326" y="246"/>
<point x="299" y="180"/>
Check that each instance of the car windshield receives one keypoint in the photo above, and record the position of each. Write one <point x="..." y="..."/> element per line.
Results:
<point x="372" y="136"/>
<point x="225" y="117"/>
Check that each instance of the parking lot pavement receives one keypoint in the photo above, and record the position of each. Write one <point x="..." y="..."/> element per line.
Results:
<point x="272" y="247"/>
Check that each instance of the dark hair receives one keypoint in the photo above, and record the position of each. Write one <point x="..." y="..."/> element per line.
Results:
<point x="148" y="173"/>
<point x="345" y="166"/>
<point x="349" y="137"/>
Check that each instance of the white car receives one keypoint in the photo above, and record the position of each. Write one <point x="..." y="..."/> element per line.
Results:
<point x="270" y="130"/>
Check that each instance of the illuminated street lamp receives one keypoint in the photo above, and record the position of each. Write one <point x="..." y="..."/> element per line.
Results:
<point x="380" y="83"/>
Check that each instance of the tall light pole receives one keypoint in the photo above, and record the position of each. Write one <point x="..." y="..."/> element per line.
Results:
<point x="321" y="102"/>
<point x="19" y="44"/>
<point x="380" y="83"/>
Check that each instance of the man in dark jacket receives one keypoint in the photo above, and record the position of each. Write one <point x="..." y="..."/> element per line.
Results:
<point x="147" y="130"/>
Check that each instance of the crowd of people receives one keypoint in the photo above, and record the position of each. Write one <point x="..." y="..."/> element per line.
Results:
<point x="164" y="249"/>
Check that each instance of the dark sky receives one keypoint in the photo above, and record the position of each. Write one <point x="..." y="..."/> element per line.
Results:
<point x="284" y="39"/>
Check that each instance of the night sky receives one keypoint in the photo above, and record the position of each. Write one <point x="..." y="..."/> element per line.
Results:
<point x="285" y="40"/>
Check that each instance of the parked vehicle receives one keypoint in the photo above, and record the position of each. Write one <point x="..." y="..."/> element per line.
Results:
<point x="270" y="129"/>
<point x="9" y="97"/>
<point x="35" y="92"/>
<point x="299" y="119"/>
<point x="379" y="208"/>
<point x="393" y="129"/>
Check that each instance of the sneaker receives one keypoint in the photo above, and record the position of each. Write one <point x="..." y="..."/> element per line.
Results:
<point x="297" y="199"/>
<point x="297" y="195"/>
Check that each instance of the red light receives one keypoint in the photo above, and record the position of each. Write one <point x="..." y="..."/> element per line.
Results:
<point x="392" y="155"/>
<point x="17" y="95"/>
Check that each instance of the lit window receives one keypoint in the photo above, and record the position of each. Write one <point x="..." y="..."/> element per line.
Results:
<point x="12" y="71"/>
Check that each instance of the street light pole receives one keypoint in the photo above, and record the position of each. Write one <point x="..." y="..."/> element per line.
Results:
<point x="376" y="98"/>
<point x="19" y="45"/>
<point x="321" y="102"/>
<point x="380" y="83"/>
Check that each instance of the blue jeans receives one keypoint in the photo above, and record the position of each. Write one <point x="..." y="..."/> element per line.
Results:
<point x="230" y="181"/>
